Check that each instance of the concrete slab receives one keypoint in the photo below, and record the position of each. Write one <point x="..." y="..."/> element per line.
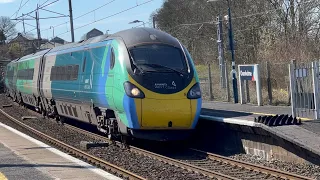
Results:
<point x="243" y="111"/>
<point x="15" y="167"/>
<point x="22" y="157"/>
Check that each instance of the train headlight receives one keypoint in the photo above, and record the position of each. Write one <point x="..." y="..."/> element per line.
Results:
<point x="133" y="91"/>
<point x="194" y="92"/>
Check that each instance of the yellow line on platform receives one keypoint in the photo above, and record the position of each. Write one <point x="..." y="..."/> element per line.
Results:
<point x="2" y="177"/>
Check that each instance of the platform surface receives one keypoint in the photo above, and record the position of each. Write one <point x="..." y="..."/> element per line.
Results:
<point x="306" y="135"/>
<point x="243" y="111"/>
<point x="22" y="157"/>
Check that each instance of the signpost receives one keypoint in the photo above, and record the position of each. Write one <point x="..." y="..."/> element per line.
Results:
<point x="249" y="72"/>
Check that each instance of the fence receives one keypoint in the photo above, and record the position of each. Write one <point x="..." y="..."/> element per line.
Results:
<point x="304" y="82"/>
<point x="274" y="82"/>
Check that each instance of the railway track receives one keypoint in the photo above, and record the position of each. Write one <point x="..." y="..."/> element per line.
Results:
<point x="212" y="165"/>
<point x="76" y="152"/>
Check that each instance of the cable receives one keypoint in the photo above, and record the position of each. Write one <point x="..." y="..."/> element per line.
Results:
<point x="19" y="8"/>
<point x="81" y="15"/>
<point x="40" y="7"/>
<point x="110" y="16"/>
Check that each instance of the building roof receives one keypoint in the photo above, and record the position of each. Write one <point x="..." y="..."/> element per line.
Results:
<point x="21" y="37"/>
<point x="58" y="39"/>
<point x="88" y="35"/>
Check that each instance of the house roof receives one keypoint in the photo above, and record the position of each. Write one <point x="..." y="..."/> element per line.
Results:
<point x="57" y="39"/>
<point x="94" y="29"/>
<point x="21" y="37"/>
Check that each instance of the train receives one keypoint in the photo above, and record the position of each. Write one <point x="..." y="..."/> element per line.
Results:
<point x="139" y="83"/>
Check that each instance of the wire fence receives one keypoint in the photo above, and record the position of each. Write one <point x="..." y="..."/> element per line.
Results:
<point x="274" y="83"/>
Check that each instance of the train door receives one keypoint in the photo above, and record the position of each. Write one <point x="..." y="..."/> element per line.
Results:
<point x="109" y="73"/>
<point x="85" y="79"/>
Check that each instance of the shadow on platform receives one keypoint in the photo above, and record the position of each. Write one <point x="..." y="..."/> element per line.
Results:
<point x="224" y="113"/>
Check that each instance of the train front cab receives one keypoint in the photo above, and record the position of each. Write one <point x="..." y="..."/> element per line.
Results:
<point x="165" y="92"/>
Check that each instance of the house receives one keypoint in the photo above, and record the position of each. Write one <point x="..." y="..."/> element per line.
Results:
<point x="93" y="33"/>
<point x="55" y="42"/>
<point x="23" y="44"/>
<point x="58" y="40"/>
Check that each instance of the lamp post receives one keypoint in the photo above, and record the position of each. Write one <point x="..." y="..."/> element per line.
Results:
<point x="137" y="21"/>
<point x="231" y="43"/>
<point x="53" y="35"/>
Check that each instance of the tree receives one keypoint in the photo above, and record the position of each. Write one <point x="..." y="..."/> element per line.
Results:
<point x="7" y="27"/>
<point x="2" y="38"/>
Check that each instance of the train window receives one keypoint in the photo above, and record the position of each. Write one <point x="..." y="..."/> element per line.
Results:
<point x="53" y="75"/>
<point x="75" y="72"/>
<point x="112" y="60"/>
<point x="84" y="63"/>
<point x="59" y="73"/>
<point x="69" y="72"/>
<point x="30" y="74"/>
<point x="63" y="73"/>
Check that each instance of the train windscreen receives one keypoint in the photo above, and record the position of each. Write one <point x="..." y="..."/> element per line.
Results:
<point x="159" y="57"/>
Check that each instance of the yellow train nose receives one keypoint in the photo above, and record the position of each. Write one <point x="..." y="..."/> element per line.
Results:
<point x="164" y="113"/>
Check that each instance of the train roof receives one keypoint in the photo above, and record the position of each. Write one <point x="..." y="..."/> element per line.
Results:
<point x="135" y="36"/>
<point x="131" y="37"/>
<point x="39" y="53"/>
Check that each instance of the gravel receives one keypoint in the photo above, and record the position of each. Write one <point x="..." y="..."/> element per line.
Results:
<point x="309" y="170"/>
<point x="136" y="163"/>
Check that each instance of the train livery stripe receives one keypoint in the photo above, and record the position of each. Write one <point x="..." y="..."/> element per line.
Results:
<point x="2" y="177"/>
<point x="130" y="112"/>
<point x="196" y="109"/>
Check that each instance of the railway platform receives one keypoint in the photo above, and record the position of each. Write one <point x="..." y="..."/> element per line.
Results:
<point x="306" y="136"/>
<point x="23" y="157"/>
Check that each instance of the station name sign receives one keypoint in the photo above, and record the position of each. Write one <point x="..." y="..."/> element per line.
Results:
<point x="247" y="72"/>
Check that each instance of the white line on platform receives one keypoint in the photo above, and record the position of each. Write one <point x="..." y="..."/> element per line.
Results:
<point x="230" y="120"/>
<point x="101" y="172"/>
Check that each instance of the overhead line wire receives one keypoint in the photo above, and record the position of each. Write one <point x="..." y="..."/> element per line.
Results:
<point x="19" y="8"/>
<point x="82" y="15"/>
<point x="110" y="15"/>
<point x="40" y="7"/>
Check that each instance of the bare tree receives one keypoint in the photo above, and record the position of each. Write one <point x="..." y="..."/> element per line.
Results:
<point x="7" y="27"/>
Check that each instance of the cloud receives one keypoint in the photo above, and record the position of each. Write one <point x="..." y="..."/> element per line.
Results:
<point x="6" y="1"/>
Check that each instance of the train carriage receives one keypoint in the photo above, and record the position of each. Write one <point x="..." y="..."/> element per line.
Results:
<point x="139" y="82"/>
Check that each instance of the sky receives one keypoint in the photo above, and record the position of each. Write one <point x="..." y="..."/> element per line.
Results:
<point x="115" y="20"/>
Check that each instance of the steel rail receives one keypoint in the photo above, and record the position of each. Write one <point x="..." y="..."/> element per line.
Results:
<point x="76" y="152"/>
<point x="159" y="157"/>
<point x="254" y="167"/>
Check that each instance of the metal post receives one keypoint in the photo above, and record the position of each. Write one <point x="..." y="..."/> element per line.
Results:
<point x="221" y="52"/>
<point x="269" y="83"/>
<point x="247" y="91"/>
<point x="38" y="25"/>
<point x="234" y="77"/>
<point x="154" y="22"/>
<point x="71" y="21"/>
<point x="227" y="82"/>
<point x="210" y="83"/>
<point x="292" y="88"/>
<point x="24" y="29"/>
<point x="258" y="85"/>
<point x="315" y="74"/>
<point x="242" y="100"/>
